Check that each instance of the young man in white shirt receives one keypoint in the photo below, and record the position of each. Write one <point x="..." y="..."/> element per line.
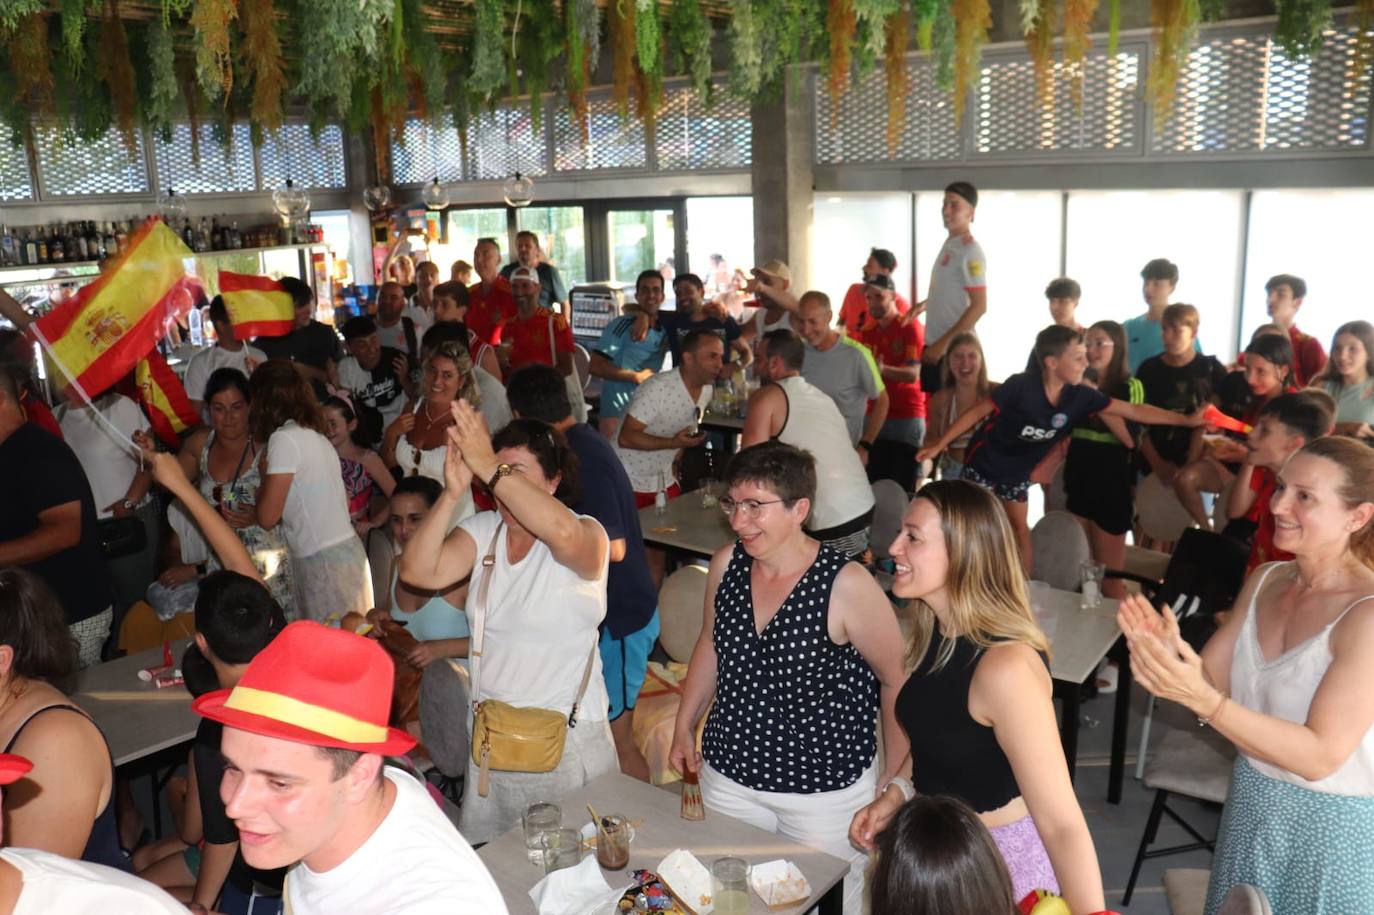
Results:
<point x="394" y="328"/>
<point x="958" y="293"/>
<point x="420" y="308"/>
<point x="228" y="352"/>
<point x="305" y="733"/>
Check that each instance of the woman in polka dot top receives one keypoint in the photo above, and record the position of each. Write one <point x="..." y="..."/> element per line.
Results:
<point x="799" y="649"/>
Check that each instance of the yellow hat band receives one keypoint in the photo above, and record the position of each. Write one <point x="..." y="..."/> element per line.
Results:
<point x="315" y="718"/>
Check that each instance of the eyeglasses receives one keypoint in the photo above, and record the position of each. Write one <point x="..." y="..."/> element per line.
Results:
<point x="750" y="507"/>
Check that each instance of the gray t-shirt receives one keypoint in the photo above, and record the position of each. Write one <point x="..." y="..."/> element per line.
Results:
<point x="847" y="373"/>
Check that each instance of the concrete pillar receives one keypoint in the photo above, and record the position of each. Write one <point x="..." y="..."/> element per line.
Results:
<point x="782" y="177"/>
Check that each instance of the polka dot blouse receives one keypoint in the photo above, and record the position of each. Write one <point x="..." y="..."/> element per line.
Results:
<point x="794" y="712"/>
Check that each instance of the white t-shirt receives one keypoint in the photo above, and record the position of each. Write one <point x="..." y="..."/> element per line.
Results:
<point x="395" y="335"/>
<point x="109" y="462"/>
<point x="206" y="362"/>
<point x="54" y="884"/>
<point x="495" y="407"/>
<point x="814" y="424"/>
<point x="415" y="862"/>
<point x="665" y="407"/>
<point x="423" y="317"/>
<point x="541" y="621"/>
<point x="960" y="268"/>
<point x="316" y="511"/>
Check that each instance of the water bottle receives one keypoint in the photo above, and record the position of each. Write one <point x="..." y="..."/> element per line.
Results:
<point x="197" y="332"/>
<point x="661" y="497"/>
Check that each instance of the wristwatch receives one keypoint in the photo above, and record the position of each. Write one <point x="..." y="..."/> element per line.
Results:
<point x="502" y="470"/>
<point x="128" y="506"/>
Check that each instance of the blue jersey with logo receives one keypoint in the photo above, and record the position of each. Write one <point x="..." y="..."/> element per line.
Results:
<point x="1024" y="426"/>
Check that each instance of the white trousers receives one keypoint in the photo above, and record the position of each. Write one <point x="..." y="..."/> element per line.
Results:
<point x="819" y="820"/>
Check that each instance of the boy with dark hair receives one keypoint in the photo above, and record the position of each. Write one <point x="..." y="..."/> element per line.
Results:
<point x="1063" y="295"/>
<point x="957" y="296"/>
<point x="1284" y="426"/>
<point x="1027" y="414"/>
<point x="1283" y="297"/>
<point x="376" y="375"/>
<point x="1144" y="333"/>
<point x="311" y="346"/>
<point x="228" y="352"/>
<point x="1180" y="380"/>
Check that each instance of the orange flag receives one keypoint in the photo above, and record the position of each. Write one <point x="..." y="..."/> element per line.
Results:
<point x="100" y="334"/>
<point x="258" y="306"/>
<point x="164" y="399"/>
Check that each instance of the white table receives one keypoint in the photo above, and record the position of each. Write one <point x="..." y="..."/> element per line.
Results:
<point x="663" y="830"/>
<point x="137" y="718"/>
<point x="686" y="527"/>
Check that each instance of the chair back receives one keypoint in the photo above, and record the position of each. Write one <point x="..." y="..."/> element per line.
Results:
<point x="582" y="364"/>
<point x="1162" y="517"/>
<point x="1058" y="549"/>
<point x="889" y="504"/>
<point x="1206" y="566"/>
<point x="893" y="460"/>
<point x="381" y="556"/>
<point x="681" y="611"/>
<point x="444" y="700"/>
<point x="1245" y="899"/>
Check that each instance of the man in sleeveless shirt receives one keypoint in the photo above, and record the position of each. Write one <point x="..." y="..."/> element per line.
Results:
<point x="791" y="410"/>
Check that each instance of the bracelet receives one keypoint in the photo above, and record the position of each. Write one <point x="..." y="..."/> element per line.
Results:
<point x="903" y="785"/>
<point x="1204" y="720"/>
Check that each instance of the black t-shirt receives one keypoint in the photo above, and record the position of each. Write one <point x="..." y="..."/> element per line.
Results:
<point x="314" y="345"/>
<point x="1182" y="389"/>
<point x="383" y="384"/>
<point x="1024" y="425"/>
<point x="678" y="326"/>
<point x="218" y="828"/>
<point x="609" y="498"/>
<point x="39" y="471"/>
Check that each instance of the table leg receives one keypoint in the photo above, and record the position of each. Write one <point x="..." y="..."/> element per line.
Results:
<point x="832" y="903"/>
<point x="1068" y="728"/>
<point x="157" y="803"/>
<point x="1121" y="719"/>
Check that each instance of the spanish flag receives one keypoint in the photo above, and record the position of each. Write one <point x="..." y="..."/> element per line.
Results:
<point x="258" y="306"/>
<point x="100" y="334"/>
<point x="164" y="399"/>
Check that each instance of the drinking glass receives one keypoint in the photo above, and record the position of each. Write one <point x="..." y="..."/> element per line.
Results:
<point x="730" y="885"/>
<point x="1090" y="575"/>
<point x="537" y="820"/>
<point x="562" y="848"/>
<point x="613" y="842"/>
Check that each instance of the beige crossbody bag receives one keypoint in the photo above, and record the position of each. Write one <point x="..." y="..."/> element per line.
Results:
<point x="504" y="737"/>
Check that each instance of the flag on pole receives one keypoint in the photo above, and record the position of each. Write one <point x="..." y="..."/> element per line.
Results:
<point x="100" y="334"/>
<point x="258" y="306"/>
<point x="164" y="399"/>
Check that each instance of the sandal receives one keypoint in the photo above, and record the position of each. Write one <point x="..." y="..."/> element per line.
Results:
<point x="1107" y="677"/>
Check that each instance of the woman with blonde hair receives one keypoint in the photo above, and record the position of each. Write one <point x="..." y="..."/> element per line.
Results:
<point x="964" y="384"/>
<point x="977" y="707"/>
<point x="1286" y="679"/>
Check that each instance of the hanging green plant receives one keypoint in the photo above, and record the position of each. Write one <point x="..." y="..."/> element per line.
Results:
<point x="582" y="40"/>
<point x="31" y="64"/>
<point x="972" y="19"/>
<point x="13" y="12"/>
<point x="488" y="72"/>
<point x="942" y="45"/>
<point x="161" y="80"/>
<point x="190" y="90"/>
<point x="175" y="8"/>
<point x="13" y="113"/>
<point x="898" y="40"/>
<point x="460" y="108"/>
<point x="1078" y="20"/>
<point x="73" y="14"/>
<point x="872" y="16"/>
<point x="1175" y="23"/>
<point x="1364" y="44"/>
<point x="83" y="105"/>
<point x="336" y="40"/>
<point x="620" y="28"/>
<point x="746" y="51"/>
<point x="1300" y="26"/>
<point x="117" y="70"/>
<point x="648" y="36"/>
<point x="840" y="22"/>
<point x="1113" y="27"/>
<point x="782" y="36"/>
<point x="1040" y="44"/>
<point x="214" y="59"/>
<point x="540" y="41"/>
<point x="262" y="50"/>
<point x="429" y="76"/>
<point x="689" y="45"/>
<point x="648" y="93"/>
<point x="1030" y="14"/>
<point x="925" y="11"/>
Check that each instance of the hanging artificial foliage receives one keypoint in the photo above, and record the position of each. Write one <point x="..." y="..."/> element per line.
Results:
<point x="488" y="72"/>
<point x="73" y="30"/>
<point x="689" y="45"/>
<point x="1364" y="42"/>
<point x="871" y="18"/>
<point x="13" y="12"/>
<point x="648" y="37"/>
<point x="840" y="22"/>
<point x="1078" y="20"/>
<point x="262" y="48"/>
<point x="1113" y="27"/>
<point x="336" y="39"/>
<point x="621" y="31"/>
<point x="1030" y="14"/>
<point x="898" y="39"/>
<point x="428" y="69"/>
<point x="117" y="70"/>
<point x="214" y="60"/>
<point x="942" y="44"/>
<point x="174" y="8"/>
<point x="540" y="42"/>
<point x="746" y="51"/>
<point x="785" y="37"/>
<point x="1300" y="26"/>
<point x="1040" y="45"/>
<point x="582" y="40"/>
<point x="1175" y="23"/>
<point x="460" y="110"/>
<point x="31" y="64"/>
<point x="161" y="79"/>
<point x="391" y="98"/>
<point x="972" y="19"/>
<point x="926" y="11"/>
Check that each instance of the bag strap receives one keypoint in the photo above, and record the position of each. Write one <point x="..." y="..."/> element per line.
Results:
<point x="553" y="347"/>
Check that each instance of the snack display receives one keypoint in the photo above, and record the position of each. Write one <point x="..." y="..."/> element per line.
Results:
<point x="688" y="880"/>
<point x="649" y="894"/>
<point x="780" y="884"/>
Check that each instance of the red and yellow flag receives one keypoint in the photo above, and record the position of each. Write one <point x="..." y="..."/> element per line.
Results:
<point x="100" y="334"/>
<point x="258" y="306"/>
<point x="164" y="399"/>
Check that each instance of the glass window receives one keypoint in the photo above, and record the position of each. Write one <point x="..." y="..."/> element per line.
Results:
<point x="720" y="239"/>
<point x="640" y="240"/>
<point x="464" y="228"/>
<point x="1019" y="231"/>
<point x="562" y="238"/>
<point x="1112" y="234"/>
<point x="844" y="229"/>
<point x="1322" y="236"/>
<point x="335" y="224"/>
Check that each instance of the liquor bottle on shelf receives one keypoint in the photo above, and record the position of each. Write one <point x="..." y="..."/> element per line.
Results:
<point x="76" y="242"/>
<point x="7" y="248"/>
<point x="202" y="236"/>
<point x="122" y="236"/>
<point x="94" y="248"/>
<point x="235" y="236"/>
<point x="41" y="241"/>
<point x="30" y="249"/>
<point x="216" y="235"/>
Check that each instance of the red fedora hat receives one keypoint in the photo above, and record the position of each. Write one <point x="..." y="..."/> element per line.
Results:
<point x="13" y="768"/>
<point x="315" y="685"/>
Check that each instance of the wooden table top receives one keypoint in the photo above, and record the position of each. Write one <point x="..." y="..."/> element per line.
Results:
<point x="686" y="526"/>
<point x="137" y="718"/>
<point x="662" y="831"/>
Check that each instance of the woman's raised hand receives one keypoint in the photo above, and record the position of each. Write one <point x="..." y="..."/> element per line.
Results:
<point x="1161" y="660"/>
<point x="470" y="432"/>
<point x="457" y="476"/>
<point x="165" y="467"/>
<point x="1136" y="616"/>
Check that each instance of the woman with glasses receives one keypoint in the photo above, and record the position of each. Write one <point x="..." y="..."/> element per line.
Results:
<point x="222" y="461"/>
<point x="800" y="649"/>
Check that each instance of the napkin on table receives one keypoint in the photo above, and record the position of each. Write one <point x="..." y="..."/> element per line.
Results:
<point x="579" y="890"/>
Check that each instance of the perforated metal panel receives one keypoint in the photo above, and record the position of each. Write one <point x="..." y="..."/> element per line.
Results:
<point x="427" y="151"/>
<point x="1009" y="117"/>
<point x="220" y="171"/>
<point x="102" y="167"/>
<point x="1239" y="93"/>
<point x="611" y="142"/>
<point x="14" y="172"/>
<point x="293" y="153"/>
<point x="504" y="141"/>
<point x="690" y="136"/>
<point x="859" y="133"/>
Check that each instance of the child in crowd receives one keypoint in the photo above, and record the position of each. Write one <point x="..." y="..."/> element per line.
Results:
<point x="1283" y="297"/>
<point x="1145" y="333"/>
<point x="1063" y="295"/>
<point x="451" y="307"/>
<point x="1268" y="371"/>
<point x="1179" y="379"/>
<point x="1284" y="425"/>
<point x="964" y="385"/>
<point x="1029" y="413"/>
<point x="1349" y="378"/>
<point x="364" y="474"/>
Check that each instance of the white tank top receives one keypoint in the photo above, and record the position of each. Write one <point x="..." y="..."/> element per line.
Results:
<point x="814" y="424"/>
<point x="1284" y="688"/>
<point x="762" y="326"/>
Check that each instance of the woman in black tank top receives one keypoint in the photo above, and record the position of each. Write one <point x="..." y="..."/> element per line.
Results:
<point x="977" y="707"/>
